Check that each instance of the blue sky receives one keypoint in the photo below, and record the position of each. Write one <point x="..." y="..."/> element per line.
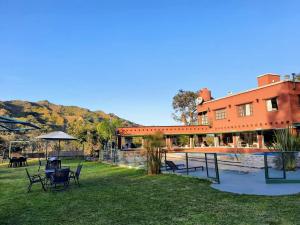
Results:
<point x="130" y="57"/>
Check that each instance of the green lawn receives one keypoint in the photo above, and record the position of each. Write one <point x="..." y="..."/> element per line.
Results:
<point x="113" y="195"/>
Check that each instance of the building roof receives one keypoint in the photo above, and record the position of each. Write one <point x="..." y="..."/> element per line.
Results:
<point x="250" y="90"/>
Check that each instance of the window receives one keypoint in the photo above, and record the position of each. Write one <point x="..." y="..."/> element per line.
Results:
<point x="272" y="105"/>
<point x="220" y="114"/>
<point x="203" y="118"/>
<point x="245" y="110"/>
<point x="298" y="100"/>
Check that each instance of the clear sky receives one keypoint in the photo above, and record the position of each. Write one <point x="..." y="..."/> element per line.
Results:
<point x="130" y="57"/>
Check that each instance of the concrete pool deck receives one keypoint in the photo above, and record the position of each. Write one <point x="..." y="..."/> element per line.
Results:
<point x="252" y="183"/>
<point x="244" y="180"/>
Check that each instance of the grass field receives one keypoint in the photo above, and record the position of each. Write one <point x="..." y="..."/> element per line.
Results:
<point x="113" y="195"/>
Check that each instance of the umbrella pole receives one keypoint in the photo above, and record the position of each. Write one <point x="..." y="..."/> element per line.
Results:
<point x="46" y="150"/>
<point x="58" y="148"/>
<point x="9" y="150"/>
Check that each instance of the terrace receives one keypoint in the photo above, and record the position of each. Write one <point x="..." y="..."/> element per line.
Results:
<point x="200" y="140"/>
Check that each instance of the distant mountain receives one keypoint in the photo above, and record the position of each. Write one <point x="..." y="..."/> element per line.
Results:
<point x="50" y="116"/>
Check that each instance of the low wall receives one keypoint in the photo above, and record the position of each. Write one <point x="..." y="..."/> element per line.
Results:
<point x="132" y="158"/>
<point x="214" y="150"/>
<point x="67" y="154"/>
<point x="35" y="155"/>
<point x="220" y="150"/>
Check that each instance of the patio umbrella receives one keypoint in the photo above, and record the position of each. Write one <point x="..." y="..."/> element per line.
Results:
<point x="57" y="136"/>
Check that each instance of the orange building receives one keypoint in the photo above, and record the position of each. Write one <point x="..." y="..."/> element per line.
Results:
<point x="242" y="122"/>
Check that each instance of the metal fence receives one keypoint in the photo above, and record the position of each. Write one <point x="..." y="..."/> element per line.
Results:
<point x="228" y="168"/>
<point x="202" y="165"/>
<point x="282" y="167"/>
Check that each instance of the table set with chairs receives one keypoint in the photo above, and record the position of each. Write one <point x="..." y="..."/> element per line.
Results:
<point x="17" y="162"/>
<point x="54" y="176"/>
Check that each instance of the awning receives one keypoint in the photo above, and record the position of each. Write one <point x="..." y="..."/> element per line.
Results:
<point x="13" y="125"/>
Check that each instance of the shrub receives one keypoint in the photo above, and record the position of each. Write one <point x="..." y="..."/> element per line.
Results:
<point x="153" y="145"/>
<point x="286" y="141"/>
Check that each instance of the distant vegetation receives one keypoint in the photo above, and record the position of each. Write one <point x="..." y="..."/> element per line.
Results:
<point x="93" y="129"/>
<point x="51" y="117"/>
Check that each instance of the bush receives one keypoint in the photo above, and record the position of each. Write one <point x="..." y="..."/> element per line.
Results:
<point x="153" y="145"/>
<point x="286" y="141"/>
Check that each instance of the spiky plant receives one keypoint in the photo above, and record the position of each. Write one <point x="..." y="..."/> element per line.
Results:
<point x="153" y="146"/>
<point x="286" y="141"/>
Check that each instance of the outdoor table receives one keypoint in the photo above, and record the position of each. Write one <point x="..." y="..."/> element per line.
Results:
<point x="18" y="161"/>
<point x="49" y="172"/>
<point x="52" y="159"/>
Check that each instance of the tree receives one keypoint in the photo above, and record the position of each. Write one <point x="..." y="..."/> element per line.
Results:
<point x="79" y="130"/>
<point x="184" y="104"/>
<point x="86" y="135"/>
<point x="154" y="144"/>
<point x="106" y="130"/>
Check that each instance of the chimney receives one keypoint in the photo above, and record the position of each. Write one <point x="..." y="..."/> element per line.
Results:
<point x="205" y="94"/>
<point x="267" y="79"/>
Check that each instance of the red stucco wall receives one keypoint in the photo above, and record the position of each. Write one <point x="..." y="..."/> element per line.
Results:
<point x="289" y="111"/>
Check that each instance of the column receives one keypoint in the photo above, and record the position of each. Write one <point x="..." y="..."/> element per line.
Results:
<point x="119" y="142"/>
<point x="216" y="141"/>
<point x="294" y="131"/>
<point x="235" y="139"/>
<point x="260" y="139"/>
<point x="221" y="140"/>
<point x="169" y="142"/>
<point x="143" y="142"/>
<point x="192" y="141"/>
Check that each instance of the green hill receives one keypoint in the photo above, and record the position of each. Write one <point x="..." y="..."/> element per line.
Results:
<point x="50" y="116"/>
